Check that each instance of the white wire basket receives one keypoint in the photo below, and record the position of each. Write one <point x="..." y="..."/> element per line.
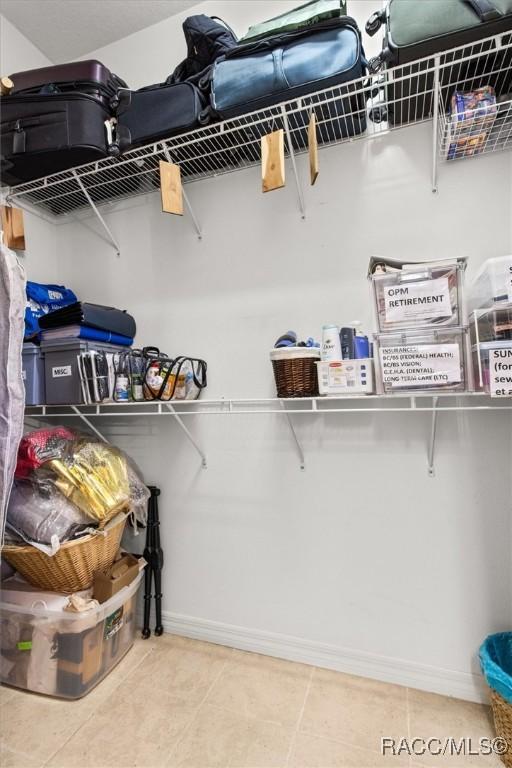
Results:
<point x="362" y="109"/>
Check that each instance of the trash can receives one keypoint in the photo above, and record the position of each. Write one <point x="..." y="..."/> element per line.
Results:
<point x="496" y="663"/>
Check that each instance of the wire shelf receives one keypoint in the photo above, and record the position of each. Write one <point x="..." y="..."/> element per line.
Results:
<point x="403" y="402"/>
<point x="362" y="109"/>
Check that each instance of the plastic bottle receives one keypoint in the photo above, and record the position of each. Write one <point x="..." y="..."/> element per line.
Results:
<point x="331" y="347"/>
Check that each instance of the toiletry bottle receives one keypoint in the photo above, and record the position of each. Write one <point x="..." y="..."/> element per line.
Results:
<point x="331" y="347"/>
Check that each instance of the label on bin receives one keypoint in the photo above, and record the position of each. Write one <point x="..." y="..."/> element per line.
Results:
<point x="425" y="300"/>
<point x="24" y="645"/>
<point x="61" y="370"/>
<point x="500" y="372"/>
<point x="113" y="623"/>
<point x="421" y="365"/>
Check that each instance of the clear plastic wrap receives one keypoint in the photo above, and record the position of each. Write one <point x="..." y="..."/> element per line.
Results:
<point x="40" y="514"/>
<point x="93" y="477"/>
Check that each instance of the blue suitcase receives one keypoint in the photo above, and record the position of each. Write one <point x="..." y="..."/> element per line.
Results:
<point x="291" y="65"/>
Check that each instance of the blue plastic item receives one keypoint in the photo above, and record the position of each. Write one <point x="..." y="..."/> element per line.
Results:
<point x="496" y="663"/>
<point x="42" y="299"/>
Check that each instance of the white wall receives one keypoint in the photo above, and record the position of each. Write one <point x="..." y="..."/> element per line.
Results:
<point x="361" y="562"/>
<point x="17" y="53"/>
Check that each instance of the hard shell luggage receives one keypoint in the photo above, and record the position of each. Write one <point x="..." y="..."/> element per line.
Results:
<point x="157" y="112"/>
<point x="294" y="64"/>
<point x="305" y="16"/>
<point x="41" y="135"/>
<point x="90" y="77"/>
<point x="418" y="30"/>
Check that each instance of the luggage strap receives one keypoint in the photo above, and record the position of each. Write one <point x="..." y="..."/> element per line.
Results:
<point x="485" y="10"/>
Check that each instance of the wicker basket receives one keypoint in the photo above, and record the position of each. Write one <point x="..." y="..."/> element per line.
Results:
<point x="72" y="568"/>
<point x="502" y="713"/>
<point x="295" y="371"/>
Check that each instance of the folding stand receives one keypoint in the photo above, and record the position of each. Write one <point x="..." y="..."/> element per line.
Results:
<point x="154" y="557"/>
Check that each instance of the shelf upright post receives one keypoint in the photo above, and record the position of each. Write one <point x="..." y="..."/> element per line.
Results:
<point x="197" y="226"/>
<point x="294" y="163"/>
<point x="294" y="435"/>
<point x="102" y="221"/>
<point x="185" y="429"/>
<point x="89" y="423"/>
<point x="432" y="444"/>
<point x="435" y="123"/>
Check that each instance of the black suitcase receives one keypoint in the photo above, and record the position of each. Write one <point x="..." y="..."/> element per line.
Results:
<point x="419" y="30"/>
<point x="41" y="135"/>
<point x="157" y="112"/>
<point x="90" y="77"/>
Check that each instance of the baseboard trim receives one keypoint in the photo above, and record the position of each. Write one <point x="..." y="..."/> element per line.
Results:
<point x="462" y="685"/>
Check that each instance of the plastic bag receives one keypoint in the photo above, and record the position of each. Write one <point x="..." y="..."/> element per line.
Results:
<point x="496" y="663"/>
<point x="39" y="446"/>
<point x="93" y="475"/>
<point x="40" y="514"/>
<point x="41" y="300"/>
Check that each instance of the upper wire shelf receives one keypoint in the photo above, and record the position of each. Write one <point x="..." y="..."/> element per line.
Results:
<point x="362" y="109"/>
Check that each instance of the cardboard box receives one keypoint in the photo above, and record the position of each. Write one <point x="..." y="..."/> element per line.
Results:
<point x="120" y="574"/>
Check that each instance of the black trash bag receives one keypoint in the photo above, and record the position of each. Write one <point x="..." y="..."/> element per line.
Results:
<point x="207" y="38"/>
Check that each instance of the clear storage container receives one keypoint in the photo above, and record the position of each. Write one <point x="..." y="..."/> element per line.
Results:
<point x="492" y="284"/>
<point x="483" y="382"/>
<point x="419" y="296"/>
<point x="492" y="324"/>
<point x="414" y="361"/>
<point x="345" y="377"/>
<point x="59" y="653"/>
<point x="32" y="371"/>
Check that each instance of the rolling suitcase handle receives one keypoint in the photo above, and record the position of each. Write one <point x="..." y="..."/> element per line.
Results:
<point x="485" y="10"/>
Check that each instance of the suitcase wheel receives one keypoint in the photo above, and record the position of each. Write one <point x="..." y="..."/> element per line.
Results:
<point x="204" y="116"/>
<point x="378" y="114"/>
<point x="375" y="64"/>
<point x="375" y="22"/>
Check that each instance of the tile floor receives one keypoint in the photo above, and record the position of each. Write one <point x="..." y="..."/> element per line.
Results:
<point x="178" y="703"/>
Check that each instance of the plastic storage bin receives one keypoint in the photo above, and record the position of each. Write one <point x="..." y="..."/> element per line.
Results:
<point x="492" y="284"/>
<point x="62" y="378"/>
<point x="33" y="374"/>
<point x="414" y="361"/>
<point x="345" y="377"/>
<point x="492" y="325"/>
<point x="504" y="349"/>
<point x="61" y="653"/>
<point x="419" y="296"/>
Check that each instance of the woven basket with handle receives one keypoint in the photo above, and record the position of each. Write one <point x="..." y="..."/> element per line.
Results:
<point x="502" y="713"/>
<point x="295" y="371"/>
<point x="72" y="568"/>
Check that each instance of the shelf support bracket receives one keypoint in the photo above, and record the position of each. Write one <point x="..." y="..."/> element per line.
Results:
<point x="88" y="423"/>
<point x="294" y="435"/>
<point x="187" y="432"/>
<point x="100" y="218"/>
<point x="197" y="226"/>
<point x="435" y="124"/>
<point x="294" y="163"/>
<point x="432" y="444"/>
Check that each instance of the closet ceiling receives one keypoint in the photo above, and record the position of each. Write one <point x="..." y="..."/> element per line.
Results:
<point x="66" y="29"/>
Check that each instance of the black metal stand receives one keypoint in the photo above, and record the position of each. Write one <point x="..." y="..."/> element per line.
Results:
<point x="154" y="557"/>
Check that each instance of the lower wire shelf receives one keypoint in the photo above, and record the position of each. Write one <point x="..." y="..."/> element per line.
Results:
<point x="420" y="402"/>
